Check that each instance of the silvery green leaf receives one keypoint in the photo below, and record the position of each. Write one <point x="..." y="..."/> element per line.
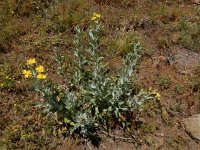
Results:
<point x="91" y="35"/>
<point x="96" y="111"/>
<point x="121" y="79"/>
<point x="116" y="112"/>
<point x="124" y="109"/>
<point x="37" y="104"/>
<point x="130" y="71"/>
<point x="121" y="102"/>
<point x="110" y="109"/>
<point x="93" y="86"/>
<point x="76" y="54"/>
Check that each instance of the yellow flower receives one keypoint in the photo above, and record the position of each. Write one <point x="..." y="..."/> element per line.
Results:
<point x="41" y="76"/>
<point x="31" y="61"/>
<point x="95" y="16"/>
<point x="157" y="96"/>
<point x="1" y="84"/>
<point x="27" y="73"/>
<point x="39" y="69"/>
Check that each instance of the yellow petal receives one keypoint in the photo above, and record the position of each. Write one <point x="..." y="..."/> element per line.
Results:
<point x="39" y="69"/>
<point x="31" y="61"/>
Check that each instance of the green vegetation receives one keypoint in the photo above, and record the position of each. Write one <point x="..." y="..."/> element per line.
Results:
<point x="89" y="98"/>
<point x="164" y="82"/>
<point x="85" y="78"/>
<point x="189" y="35"/>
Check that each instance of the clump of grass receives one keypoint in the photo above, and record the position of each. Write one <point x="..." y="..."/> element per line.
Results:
<point x="148" y="128"/>
<point x="189" y="35"/>
<point x="122" y="44"/>
<point x="175" y="144"/>
<point x="6" y="77"/>
<point x="178" y="89"/>
<point x="62" y="17"/>
<point x="164" y="82"/>
<point x="163" y="42"/>
<point x="164" y="13"/>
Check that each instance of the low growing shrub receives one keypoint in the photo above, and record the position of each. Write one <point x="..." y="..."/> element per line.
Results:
<point x="90" y="98"/>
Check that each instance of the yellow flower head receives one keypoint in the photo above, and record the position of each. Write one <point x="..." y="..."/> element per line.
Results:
<point x="39" y="69"/>
<point x="95" y="16"/>
<point x="31" y="61"/>
<point x="1" y="84"/>
<point x="157" y="96"/>
<point x="41" y="76"/>
<point x="27" y="73"/>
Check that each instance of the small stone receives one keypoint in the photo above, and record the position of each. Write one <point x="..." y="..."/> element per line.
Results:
<point x="192" y="126"/>
<point x="160" y="134"/>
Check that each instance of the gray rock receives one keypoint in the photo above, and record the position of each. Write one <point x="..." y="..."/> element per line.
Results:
<point x="192" y="126"/>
